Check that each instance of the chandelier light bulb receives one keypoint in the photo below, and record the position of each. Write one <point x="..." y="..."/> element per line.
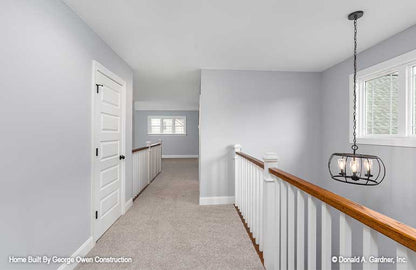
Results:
<point x="355" y="165"/>
<point x="368" y="163"/>
<point x="341" y="165"/>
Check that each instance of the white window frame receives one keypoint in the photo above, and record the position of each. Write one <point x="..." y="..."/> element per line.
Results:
<point x="403" y="65"/>
<point x="173" y="117"/>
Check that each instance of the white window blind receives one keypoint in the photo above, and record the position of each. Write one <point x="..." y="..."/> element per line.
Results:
<point x="167" y="125"/>
<point x="381" y="106"/>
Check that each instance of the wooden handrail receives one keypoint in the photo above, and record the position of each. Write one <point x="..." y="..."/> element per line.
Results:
<point x="140" y="149"/>
<point x="391" y="228"/>
<point x="146" y="147"/>
<point x="155" y="144"/>
<point x="251" y="159"/>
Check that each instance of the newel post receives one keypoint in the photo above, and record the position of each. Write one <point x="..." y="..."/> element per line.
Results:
<point x="270" y="219"/>
<point x="237" y="175"/>
<point x="148" y="143"/>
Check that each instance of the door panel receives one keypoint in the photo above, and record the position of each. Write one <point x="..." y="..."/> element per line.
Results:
<point x="107" y="163"/>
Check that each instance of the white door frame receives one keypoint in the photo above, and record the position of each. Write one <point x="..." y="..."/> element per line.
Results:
<point x="96" y="66"/>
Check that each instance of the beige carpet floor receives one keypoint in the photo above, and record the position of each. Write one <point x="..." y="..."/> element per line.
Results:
<point x="167" y="229"/>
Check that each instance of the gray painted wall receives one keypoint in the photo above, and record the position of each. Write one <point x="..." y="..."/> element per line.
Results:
<point x="263" y="111"/>
<point x="172" y="144"/>
<point x="46" y="54"/>
<point x="395" y="197"/>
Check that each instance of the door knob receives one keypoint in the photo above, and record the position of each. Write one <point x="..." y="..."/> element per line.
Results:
<point x="122" y="157"/>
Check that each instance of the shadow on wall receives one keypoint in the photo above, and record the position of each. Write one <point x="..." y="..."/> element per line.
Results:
<point x="223" y="166"/>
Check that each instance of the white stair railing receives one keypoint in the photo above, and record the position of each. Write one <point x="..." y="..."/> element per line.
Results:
<point x="273" y="204"/>
<point x="147" y="164"/>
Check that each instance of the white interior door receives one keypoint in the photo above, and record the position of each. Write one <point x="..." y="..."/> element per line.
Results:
<point x="108" y="143"/>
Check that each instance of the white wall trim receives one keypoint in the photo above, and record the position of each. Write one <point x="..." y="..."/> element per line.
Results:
<point x="164" y="106"/>
<point x="128" y="205"/>
<point x="216" y="200"/>
<point x="82" y="251"/>
<point x="180" y="156"/>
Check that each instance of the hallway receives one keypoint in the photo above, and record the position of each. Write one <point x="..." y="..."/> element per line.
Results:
<point x="167" y="229"/>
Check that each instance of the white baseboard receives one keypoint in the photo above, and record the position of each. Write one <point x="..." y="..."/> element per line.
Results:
<point x="82" y="251"/>
<point x="180" y="156"/>
<point x="216" y="200"/>
<point x="127" y="205"/>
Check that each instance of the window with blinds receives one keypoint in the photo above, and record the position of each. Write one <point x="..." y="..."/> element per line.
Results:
<point x="381" y="105"/>
<point x="386" y="102"/>
<point x="167" y="125"/>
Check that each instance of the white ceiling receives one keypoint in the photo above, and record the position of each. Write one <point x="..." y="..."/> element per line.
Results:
<point x="167" y="42"/>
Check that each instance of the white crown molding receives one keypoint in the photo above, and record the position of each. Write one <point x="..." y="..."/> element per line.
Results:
<point x="164" y="106"/>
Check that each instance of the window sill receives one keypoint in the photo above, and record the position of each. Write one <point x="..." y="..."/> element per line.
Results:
<point x="388" y="141"/>
<point x="153" y="134"/>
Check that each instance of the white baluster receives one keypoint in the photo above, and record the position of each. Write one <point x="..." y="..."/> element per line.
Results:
<point x="237" y="149"/>
<point x="369" y="247"/>
<point x="300" y="231"/>
<point x="326" y="237"/>
<point x="401" y="253"/>
<point x="257" y="231"/>
<point x="311" y="233"/>
<point x="250" y="197"/>
<point x="406" y="258"/>
<point x="345" y="240"/>
<point x="283" y="225"/>
<point x="291" y="227"/>
<point x="245" y="189"/>
<point x="253" y="223"/>
<point x="240" y="184"/>
<point x="148" y="143"/>
<point x="261" y="220"/>
<point x="270" y="250"/>
<point x="275" y="227"/>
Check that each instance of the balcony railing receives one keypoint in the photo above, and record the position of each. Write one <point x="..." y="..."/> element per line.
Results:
<point x="147" y="164"/>
<point x="281" y="212"/>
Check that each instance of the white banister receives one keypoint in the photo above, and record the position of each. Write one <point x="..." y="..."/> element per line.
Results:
<point x="272" y="204"/>
<point x="283" y="224"/>
<point x="148" y="143"/>
<point x="291" y="227"/>
<point x="300" y="230"/>
<point x="270" y="245"/>
<point x="146" y="165"/>
<point x="369" y="247"/>
<point x="237" y="175"/>
<point x="311" y="233"/>
<point x="401" y="252"/>
<point x="345" y="235"/>
<point x="326" y="252"/>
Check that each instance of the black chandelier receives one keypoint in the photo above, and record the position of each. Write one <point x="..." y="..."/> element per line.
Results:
<point x="353" y="168"/>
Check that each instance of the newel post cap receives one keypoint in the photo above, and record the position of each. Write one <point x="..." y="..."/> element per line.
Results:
<point x="270" y="157"/>
<point x="237" y="147"/>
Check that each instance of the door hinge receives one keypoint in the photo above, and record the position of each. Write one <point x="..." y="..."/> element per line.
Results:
<point x="96" y="214"/>
<point x="98" y="87"/>
<point x="96" y="152"/>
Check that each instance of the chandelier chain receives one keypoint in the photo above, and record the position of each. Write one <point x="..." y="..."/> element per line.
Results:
<point x="354" y="147"/>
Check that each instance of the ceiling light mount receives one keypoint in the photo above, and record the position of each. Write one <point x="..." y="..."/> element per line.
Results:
<point x="355" y="15"/>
